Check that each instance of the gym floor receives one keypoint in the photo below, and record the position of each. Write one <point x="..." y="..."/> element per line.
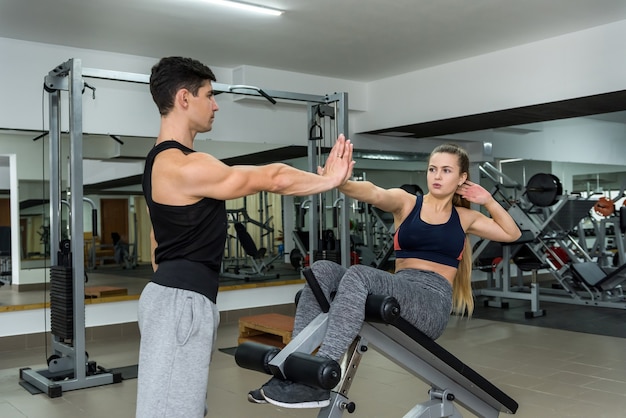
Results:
<point x="549" y="372"/>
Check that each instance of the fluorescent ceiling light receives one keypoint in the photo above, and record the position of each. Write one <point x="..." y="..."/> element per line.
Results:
<point x="391" y="156"/>
<point x="247" y="6"/>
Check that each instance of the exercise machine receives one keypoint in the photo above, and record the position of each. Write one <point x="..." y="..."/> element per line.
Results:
<point x="547" y="219"/>
<point x="69" y="367"/>
<point x="328" y="223"/>
<point x="256" y="256"/>
<point x="607" y="232"/>
<point x="257" y="261"/>
<point x="450" y="379"/>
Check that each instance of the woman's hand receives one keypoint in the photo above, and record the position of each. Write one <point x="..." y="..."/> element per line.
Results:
<point x="474" y="193"/>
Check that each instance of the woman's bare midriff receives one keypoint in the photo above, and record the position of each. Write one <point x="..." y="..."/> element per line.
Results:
<point x="419" y="264"/>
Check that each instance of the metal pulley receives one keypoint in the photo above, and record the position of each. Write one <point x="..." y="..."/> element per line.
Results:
<point x="543" y="189"/>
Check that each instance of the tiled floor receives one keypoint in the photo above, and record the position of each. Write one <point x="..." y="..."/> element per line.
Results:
<point x="550" y="373"/>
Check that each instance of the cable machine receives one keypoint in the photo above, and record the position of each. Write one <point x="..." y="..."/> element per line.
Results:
<point x="68" y="367"/>
<point x="335" y="108"/>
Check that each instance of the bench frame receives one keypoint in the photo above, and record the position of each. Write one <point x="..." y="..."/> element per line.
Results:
<point x="449" y="378"/>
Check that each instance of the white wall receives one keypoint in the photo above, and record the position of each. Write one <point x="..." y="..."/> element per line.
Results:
<point x="127" y="109"/>
<point x="569" y="66"/>
<point x="4" y="175"/>
<point x="30" y="62"/>
<point x="568" y="140"/>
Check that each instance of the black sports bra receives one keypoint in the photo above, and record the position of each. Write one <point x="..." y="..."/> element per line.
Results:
<point x="441" y="243"/>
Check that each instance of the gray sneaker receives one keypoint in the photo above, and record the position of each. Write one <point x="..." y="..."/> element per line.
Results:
<point x="256" y="396"/>
<point x="295" y="395"/>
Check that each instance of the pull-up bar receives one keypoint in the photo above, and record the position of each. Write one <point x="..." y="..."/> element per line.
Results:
<point x="57" y="80"/>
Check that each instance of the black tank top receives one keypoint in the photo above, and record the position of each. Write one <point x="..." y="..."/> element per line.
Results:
<point x="190" y="239"/>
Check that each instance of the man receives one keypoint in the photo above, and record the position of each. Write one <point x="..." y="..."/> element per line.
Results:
<point x="185" y="192"/>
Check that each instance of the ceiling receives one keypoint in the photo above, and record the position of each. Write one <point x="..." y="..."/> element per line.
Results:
<point x="359" y="40"/>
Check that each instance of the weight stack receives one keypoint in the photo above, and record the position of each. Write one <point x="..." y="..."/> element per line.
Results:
<point x="331" y="255"/>
<point x="61" y="302"/>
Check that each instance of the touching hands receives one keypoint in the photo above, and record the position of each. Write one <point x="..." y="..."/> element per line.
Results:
<point x="474" y="193"/>
<point x="339" y="163"/>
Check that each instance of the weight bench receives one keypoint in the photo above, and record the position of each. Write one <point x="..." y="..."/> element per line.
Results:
<point x="592" y="275"/>
<point x="526" y="260"/>
<point x="449" y="378"/>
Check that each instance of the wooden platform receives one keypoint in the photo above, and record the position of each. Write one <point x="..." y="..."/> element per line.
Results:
<point x="271" y="329"/>
<point x="104" y="291"/>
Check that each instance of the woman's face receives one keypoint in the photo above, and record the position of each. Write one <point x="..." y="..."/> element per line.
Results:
<point x="444" y="173"/>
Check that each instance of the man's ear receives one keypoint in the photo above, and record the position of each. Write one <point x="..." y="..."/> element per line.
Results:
<point x="181" y="98"/>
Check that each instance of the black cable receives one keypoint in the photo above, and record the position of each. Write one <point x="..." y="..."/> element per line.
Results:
<point x="43" y="182"/>
<point x="117" y="139"/>
<point x="38" y="137"/>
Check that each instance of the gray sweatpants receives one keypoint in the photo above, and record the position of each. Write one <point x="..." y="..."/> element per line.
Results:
<point x="178" y="330"/>
<point x="425" y="301"/>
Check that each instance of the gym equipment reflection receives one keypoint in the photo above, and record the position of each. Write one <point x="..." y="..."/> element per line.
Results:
<point x="553" y="239"/>
<point x="255" y="262"/>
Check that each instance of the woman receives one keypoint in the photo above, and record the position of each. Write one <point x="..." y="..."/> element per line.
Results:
<point x="432" y="268"/>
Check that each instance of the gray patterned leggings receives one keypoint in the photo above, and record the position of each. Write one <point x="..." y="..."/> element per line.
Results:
<point x="425" y="301"/>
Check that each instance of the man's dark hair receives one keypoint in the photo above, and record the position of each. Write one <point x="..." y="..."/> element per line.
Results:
<point x="171" y="74"/>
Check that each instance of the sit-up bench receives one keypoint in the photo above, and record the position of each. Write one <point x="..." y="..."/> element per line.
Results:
<point x="449" y="378"/>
